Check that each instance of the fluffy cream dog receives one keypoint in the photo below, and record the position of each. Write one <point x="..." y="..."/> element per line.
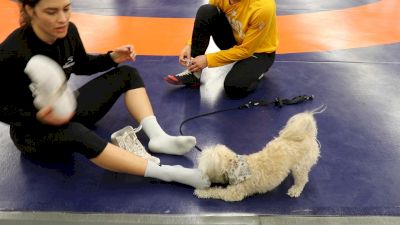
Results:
<point x="294" y="151"/>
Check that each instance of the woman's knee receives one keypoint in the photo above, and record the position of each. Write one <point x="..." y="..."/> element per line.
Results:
<point x="127" y="71"/>
<point x="76" y="137"/>
<point x="131" y="76"/>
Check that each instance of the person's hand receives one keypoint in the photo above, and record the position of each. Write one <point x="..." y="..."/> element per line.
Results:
<point x="184" y="56"/>
<point x="123" y="54"/>
<point x="46" y="116"/>
<point x="198" y="63"/>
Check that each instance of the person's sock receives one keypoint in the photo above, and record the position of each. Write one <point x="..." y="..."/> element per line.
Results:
<point x="161" y="142"/>
<point x="197" y="74"/>
<point x="177" y="173"/>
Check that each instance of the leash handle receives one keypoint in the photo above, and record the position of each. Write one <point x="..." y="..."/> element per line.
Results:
<point x="279" y="102"/>
<point x="296" y="100"/>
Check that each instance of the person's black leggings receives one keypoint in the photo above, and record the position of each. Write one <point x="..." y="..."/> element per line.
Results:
<point x="94" y="100"/>
<point x="245" y="74"/>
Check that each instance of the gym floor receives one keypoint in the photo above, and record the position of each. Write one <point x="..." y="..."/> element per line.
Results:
<point x="345" y="53"/>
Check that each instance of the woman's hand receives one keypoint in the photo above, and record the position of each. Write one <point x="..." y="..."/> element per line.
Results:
<point x="198" y="63"/>
<point x="184" y="56"/>
<point x="46" y="116"/>
<point x="123" y="54"/>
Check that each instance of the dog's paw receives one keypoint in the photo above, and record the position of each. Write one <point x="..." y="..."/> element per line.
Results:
<point x="294" y="192"/>
<point x="201" y="193"/>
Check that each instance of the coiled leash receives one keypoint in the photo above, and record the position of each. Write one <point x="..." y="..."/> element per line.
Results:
<point x="278" y="102"/>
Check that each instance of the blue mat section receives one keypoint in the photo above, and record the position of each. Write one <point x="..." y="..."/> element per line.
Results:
<point x="188" y="8"/>
<point x="359" y="133"/>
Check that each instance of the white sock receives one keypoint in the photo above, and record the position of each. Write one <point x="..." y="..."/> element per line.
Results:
<point x="197" y="74"/>
<point x="161" y="142"/>
<point x="177" y="173"/>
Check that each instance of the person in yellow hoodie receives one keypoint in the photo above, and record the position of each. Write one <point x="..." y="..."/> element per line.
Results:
<point x="245" y="31"/>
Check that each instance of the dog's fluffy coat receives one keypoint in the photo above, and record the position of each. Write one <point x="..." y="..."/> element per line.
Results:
<point x="294" y="151"/>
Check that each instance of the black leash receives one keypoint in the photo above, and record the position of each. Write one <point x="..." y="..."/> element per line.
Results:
<point x="278" y="102"/>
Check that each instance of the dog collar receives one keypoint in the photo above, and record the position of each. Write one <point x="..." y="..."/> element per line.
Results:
<point x="239" y="170"/>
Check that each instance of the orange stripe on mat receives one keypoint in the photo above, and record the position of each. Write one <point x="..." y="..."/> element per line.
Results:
<point x="150" y="36"/>
<point x="9" y="17"/>
<point x="363" y="26"/>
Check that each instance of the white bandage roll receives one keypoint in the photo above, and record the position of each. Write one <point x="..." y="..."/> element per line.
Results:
<point x="49" y="86"/>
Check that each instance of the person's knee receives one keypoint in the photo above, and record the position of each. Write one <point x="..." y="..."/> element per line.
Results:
<point x="131" y="76"/>
<point x="83" y="140"/>
<point x="236" y="91"/>
<point x="207" y="10"/>
<point x="128" y="70"/>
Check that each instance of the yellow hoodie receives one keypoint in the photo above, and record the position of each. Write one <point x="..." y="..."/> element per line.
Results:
<point x="254" y="28"/>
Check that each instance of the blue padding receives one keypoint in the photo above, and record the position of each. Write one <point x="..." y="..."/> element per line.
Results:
<point x="359" y="132"/>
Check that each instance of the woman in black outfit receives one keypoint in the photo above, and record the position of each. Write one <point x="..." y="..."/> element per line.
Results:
<point x="46" y="30"/>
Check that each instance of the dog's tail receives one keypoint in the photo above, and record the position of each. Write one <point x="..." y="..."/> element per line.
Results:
<point x="319" y="109"/>
<point x="302" y="125"/>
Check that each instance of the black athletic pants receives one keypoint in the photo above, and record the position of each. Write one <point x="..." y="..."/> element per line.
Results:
<point x="245" y="74"/>
<point x="94" y="100"/>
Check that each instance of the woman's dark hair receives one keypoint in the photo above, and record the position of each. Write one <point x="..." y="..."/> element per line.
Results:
<point x="31" y="3"/>
<point x="24" y="18"/>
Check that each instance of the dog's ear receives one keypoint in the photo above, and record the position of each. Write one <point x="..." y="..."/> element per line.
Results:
<point x="212" y="161"/>
<point x="206" y="159"/>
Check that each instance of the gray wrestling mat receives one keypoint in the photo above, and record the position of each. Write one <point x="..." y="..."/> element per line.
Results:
<point x="59" y="218"/>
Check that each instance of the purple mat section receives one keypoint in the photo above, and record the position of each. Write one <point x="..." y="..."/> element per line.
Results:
<point x="359" y="133"/>
<point x="188" y="8"/>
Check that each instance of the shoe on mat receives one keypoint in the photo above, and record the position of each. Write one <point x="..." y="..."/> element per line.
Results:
<point x="126" y="139"/>
<point x="184" y="78"/>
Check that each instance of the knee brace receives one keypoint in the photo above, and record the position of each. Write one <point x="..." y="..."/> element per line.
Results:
<point x="49" y="86"/>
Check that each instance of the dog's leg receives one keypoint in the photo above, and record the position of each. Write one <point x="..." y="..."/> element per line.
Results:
<point x="300" y="175"/>
<point x="301" y="171"/>
<point x="230" y="194"/>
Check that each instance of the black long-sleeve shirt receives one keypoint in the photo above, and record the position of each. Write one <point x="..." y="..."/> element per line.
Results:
<point x="16" y="101"/>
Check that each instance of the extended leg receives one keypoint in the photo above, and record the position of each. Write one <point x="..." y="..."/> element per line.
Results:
<point x="114" y="159"/>
<point x="98" y="96"/>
